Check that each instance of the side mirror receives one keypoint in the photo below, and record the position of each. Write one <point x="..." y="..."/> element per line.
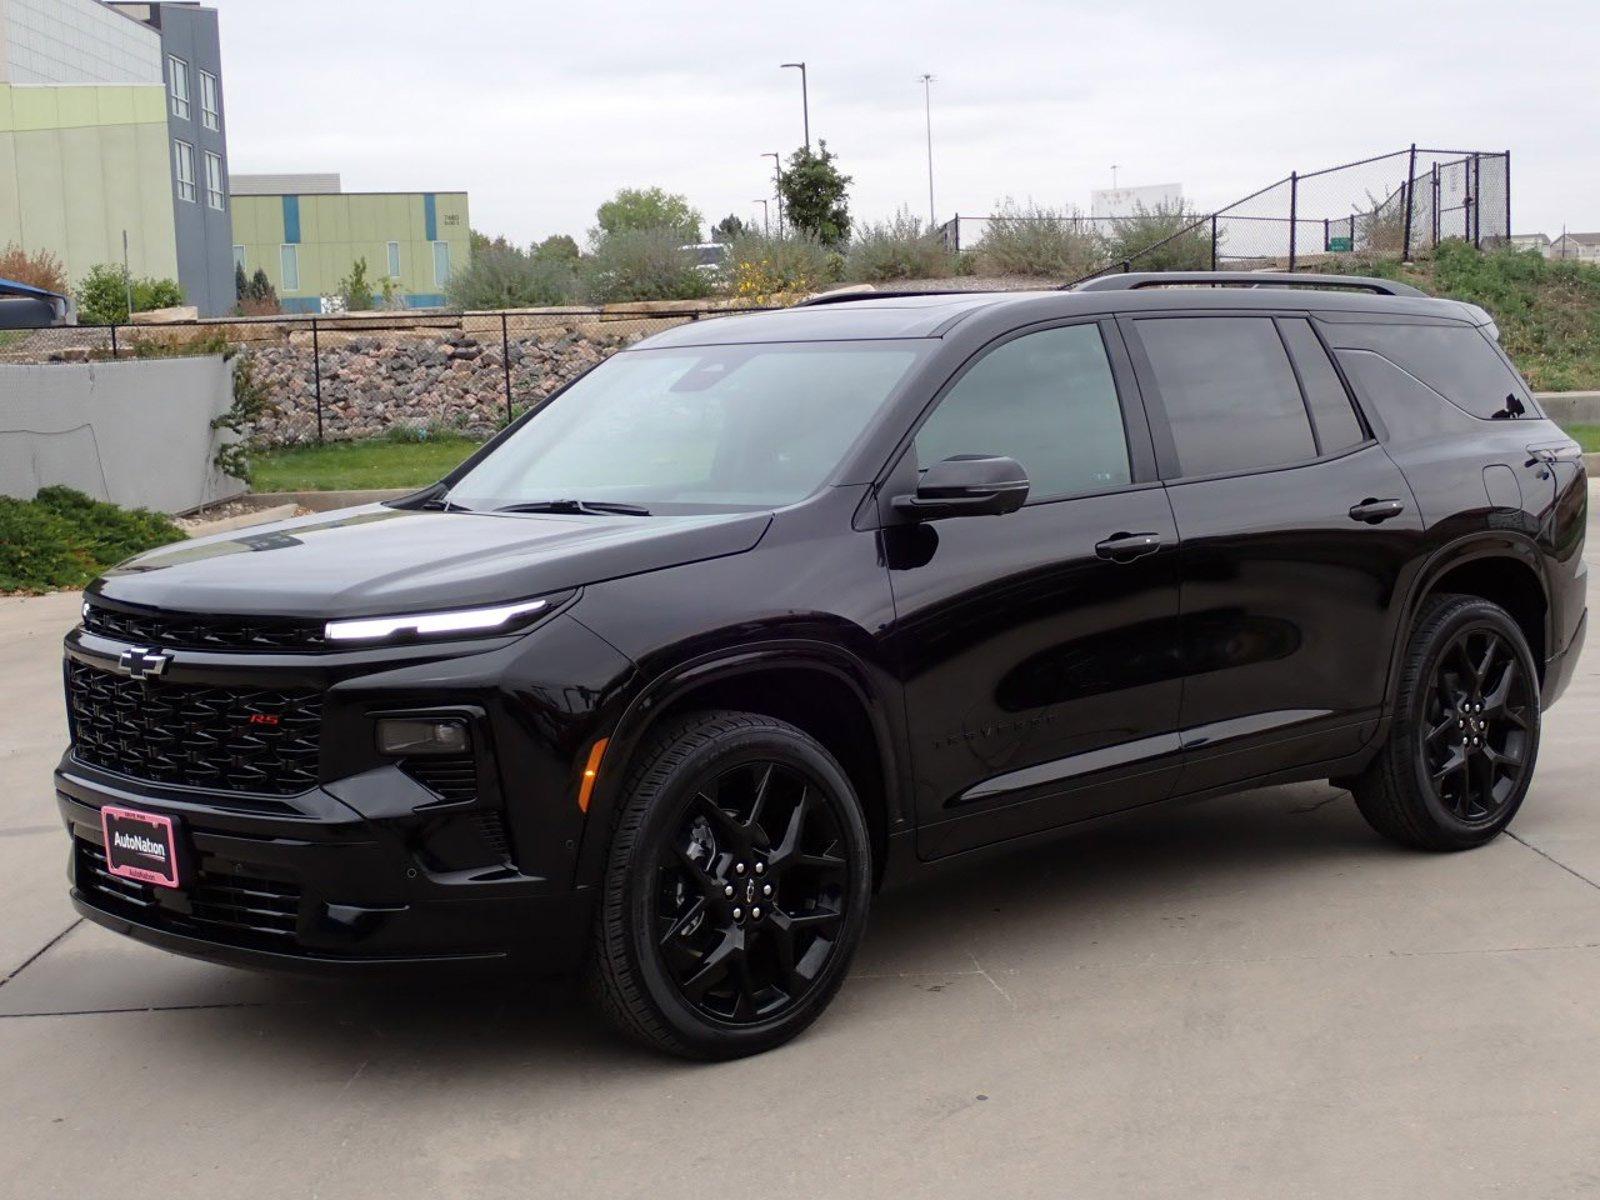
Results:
<point x="967" y="485"/>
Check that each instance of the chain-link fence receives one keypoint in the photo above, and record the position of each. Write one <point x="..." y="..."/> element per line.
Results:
<point x="1393" y="205"/>
<point x="403" y="377"/>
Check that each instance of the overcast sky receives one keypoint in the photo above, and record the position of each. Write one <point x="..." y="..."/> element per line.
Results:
<point x="541" y="110"/>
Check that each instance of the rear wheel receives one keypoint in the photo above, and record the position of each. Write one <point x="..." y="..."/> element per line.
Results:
<point x="736" y="888"/>
<point x="1461" y="752"/>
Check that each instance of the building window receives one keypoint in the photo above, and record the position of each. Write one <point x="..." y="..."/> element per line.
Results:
<point x="209" y="114"/>
<point x="214" y="180"/>
<point x="394" y="260"/>
<point x="441" y="263"/>
<point x="183" y="167"/>
<point x="178" y="85"/>
<point x="289" y="258"/>
<point x="238" y="258"/>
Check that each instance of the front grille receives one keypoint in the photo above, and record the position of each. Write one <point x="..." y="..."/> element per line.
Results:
<point x="204" y="631"/>
<point x="252" y="740"/>
<point x="243" y="909"/>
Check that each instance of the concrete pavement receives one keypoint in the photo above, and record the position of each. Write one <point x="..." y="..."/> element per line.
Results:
<point x="1252" y="997"/>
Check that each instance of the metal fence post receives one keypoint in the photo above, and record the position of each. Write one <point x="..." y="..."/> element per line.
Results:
<point x="316" y="374"/>
<point x="956" y="221"/>
<point x="1213" y="241"/>
<point x="505" y="361"/>
<point x="113" y="339"/>
<point x="1294" y="212"/>
<point x="1477" y="202"/>
<point x="1435" y="205"/>
<point x="1405" y="192"/>
<point x="1508" y="196"/>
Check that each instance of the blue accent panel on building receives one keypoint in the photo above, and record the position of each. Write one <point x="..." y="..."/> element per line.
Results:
<point x="430" y="215"/>
<point x="424" y="300"/>
<point x="291" y="220"/>
<point x="300" y="304"/>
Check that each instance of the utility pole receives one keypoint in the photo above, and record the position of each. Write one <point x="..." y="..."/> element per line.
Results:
<point x="127" y="276"/>
<point x="927" y="114"/>
<point x="805" y="98"/>
<point x="766" y="227"/>
<point x="1113" y="177"/>
<point x="777" y="170"/>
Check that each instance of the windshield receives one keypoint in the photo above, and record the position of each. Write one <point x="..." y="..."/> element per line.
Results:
<point x="696" y="428"/>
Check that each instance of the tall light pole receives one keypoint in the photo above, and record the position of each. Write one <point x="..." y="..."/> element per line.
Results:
<point x="766" y="226"/>
<point x="927" y="112"/>
<point x="805" y="98"/>
<point x="777" y="170"/>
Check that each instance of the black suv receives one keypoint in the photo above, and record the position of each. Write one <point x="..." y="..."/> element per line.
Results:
<point x="771" y="610"/>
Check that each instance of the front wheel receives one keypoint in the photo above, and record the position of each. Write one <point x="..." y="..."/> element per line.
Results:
<point x="736" y="888"/>
<point x="1461" y="752"/>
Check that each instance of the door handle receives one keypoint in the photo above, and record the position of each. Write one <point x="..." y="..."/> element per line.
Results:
<point x="1125" y="547"/>
<point x="1373" y="511"/>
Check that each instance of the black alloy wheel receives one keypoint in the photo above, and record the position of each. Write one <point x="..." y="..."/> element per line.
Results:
<point x="736" y="887"/>
<point x="1479" y="722"/>
<point x="1464" y="737"/>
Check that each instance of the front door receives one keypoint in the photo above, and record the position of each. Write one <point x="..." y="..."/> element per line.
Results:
<point x="1038" y="650"/>
<point x="1297" y="529"/>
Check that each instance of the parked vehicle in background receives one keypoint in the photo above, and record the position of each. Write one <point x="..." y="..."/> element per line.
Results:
<point x="710" y="257"/>
<point x="23" y="306"/>
<point x="771" y="610"/>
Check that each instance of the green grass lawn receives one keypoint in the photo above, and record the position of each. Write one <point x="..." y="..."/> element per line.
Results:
<point x="347" y="466"/>
<point x="1587" y="436"/>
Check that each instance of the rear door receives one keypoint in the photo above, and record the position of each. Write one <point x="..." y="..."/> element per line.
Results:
<point x="1038" y="650"/>
<point x="1296" y="529"/>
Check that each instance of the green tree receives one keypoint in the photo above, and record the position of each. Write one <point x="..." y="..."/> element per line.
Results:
<point x="355" y="287"/>
<point x="816" y="195"/>
<point x="241" y="282"/>
<point x="558" y="247"/>
<point x="727" y="229"/>
<point x="102" y="296"/>
<point x="648" y="208"/>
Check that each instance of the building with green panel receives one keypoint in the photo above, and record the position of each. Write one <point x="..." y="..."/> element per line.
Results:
<point x="307" y="235"/>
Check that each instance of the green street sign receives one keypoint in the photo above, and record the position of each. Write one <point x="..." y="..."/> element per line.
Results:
<point x="1339" y="244"/>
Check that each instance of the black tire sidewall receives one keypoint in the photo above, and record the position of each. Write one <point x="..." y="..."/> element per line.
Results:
<point x="1462" y="618"/>
<point x="723" y="751"/>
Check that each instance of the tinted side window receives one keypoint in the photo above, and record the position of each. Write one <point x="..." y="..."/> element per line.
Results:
<point x="1454" y="360"/>
<point x="1338" y="427"/>
<point x="1230" y="395"/>
<point x="1047" y="400"/>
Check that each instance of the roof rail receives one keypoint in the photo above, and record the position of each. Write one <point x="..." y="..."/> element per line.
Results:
<point x="844" y="297"/>
<point x="1131" y="280"/>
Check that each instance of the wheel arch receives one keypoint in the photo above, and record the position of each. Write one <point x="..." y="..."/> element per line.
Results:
<point x="822" y="689"/>
<point x="1504" y="569"/>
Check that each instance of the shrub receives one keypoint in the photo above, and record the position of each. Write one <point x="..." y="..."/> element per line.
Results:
<point x="103" y="295"/>
<point x="1030" y="239"/>
<point x="40" y="269"/>
<point x="1168" y="237"/>
<point x="260" y="298"/>
<point x="643" y="264"/>
<point x="760" y="267"/>
<point x="63" y="539"/>
<point x="898" y="249"/>
<point x="355" y="288"/>
<point x="502" y="276"/>
<point x="647" y="208"/>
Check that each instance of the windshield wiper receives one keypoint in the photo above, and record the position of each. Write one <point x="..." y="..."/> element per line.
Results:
<point x="591" y="507"/>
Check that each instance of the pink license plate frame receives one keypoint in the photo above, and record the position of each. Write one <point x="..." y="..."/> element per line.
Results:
<point x="141" y="846"/>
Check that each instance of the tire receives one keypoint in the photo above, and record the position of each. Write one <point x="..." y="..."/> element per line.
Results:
<point x="1465" y="735"/>
<point x="736" y="888"/>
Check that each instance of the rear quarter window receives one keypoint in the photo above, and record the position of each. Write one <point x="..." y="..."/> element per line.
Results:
<point x="1457" y="361"/>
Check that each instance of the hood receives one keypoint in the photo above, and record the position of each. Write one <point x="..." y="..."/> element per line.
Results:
<point x="376" y="560"/>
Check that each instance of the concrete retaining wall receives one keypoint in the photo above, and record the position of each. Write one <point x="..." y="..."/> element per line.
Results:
<point x="135" y="433"/>
<point x="1571" y="408"/>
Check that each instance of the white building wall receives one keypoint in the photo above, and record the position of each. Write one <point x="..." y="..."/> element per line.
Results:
<point x="75" y="41"/>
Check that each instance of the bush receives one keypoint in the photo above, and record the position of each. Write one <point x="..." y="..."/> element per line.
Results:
<point x="259" y="298"/>
<point x="897" y="249"/>
<point x="643" y="264"/>
<point x="760" y="267"/>
<point x="502" y="276"/>
<point x="1029" y="239"/>
<point x="41" y="269"/>
<point x="103" y="295"/>
<point x="1168" y="237"/>
<point x="63" y="539"/>
<point x="356" y="288"/>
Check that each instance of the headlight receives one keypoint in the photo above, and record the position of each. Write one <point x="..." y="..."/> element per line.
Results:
<point x="502" y="618"/>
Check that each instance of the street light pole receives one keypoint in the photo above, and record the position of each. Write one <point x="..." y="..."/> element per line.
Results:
<point x="777" y="169"/>
<point x="805" y="98"/>
<point x="927" y="112"/>
<point x="766" y="227"/>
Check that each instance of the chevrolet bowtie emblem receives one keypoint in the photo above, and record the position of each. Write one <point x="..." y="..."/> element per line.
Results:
<point x="143" y="664"/>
